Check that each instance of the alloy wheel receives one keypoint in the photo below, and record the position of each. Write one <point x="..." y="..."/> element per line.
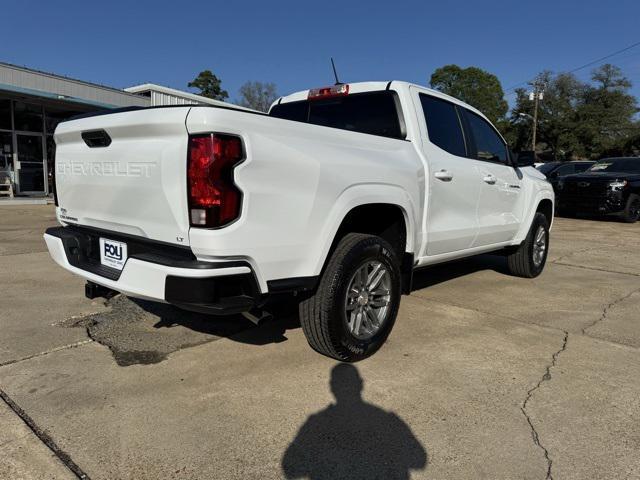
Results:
<point x="367" y="299"/>
<point x="539" y="246"/>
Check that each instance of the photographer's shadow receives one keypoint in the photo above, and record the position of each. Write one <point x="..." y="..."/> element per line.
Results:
<point x="353" y="438"/>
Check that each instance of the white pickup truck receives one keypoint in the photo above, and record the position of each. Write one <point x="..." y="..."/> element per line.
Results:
<point x="334" y="198"/>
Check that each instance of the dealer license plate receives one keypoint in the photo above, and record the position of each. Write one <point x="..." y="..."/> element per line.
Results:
<point x="113" y="254"/>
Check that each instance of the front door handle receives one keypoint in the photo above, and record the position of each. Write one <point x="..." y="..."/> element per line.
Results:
<point x="444" y="175"/>
<point x="490" y="179"/>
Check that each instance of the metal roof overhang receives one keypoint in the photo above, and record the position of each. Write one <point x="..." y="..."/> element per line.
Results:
<point x="53" y="96"/>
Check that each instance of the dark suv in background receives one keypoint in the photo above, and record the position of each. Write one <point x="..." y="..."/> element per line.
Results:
<point x="557" y="170"/>
<point x="610" y="186"/>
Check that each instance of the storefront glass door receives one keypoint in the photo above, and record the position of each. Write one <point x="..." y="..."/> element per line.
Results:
<point x="30" y="169"/>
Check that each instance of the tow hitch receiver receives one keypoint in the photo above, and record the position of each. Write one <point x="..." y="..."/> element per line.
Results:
<point x="93" y="290"/>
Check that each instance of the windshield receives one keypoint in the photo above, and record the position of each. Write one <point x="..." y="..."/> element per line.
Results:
<point x="624" y="165"/>
<point x="547" y="167"/>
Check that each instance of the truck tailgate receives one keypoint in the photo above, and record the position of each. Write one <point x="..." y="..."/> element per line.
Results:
<point x="136" y="184"/>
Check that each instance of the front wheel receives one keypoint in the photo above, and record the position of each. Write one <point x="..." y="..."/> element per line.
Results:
<point x="355" y="306"/>
<point x="529" y="259"/>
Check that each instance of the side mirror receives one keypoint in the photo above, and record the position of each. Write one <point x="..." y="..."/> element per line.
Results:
<point x="523" y="159"/>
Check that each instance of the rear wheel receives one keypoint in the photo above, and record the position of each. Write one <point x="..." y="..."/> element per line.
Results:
<point x="529" y="259"/>
<point x="632" y="210"/>
<point x="355" y="306"/>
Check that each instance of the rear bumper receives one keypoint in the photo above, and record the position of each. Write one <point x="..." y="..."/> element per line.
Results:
<point x="211" y="287"/>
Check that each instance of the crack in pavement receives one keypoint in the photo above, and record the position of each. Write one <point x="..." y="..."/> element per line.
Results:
<point x="586" y="250"/>
<point x="47" y="352"/>
<point x="546" y="377"/>
<point x="606" y="309"/>
<point x="575" y="252"/>
<point x="596" y="269"/>
<point x="44" y="437"/>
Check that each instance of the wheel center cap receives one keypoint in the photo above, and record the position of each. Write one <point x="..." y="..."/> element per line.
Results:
<point x="363" y="298"/>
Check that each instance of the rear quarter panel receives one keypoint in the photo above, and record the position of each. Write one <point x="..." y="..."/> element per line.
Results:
<point x="298" y="183"/>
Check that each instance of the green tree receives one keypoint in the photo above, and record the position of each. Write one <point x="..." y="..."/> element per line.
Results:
<point x="557" y="120"/>
<point x="606" y="115"/>
<point x="258" y="95"/>
<point x="578" y="119"/>
<point x="474" y="86"/>
<point x="209" y="86"/>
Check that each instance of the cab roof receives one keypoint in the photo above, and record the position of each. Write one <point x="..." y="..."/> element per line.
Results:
<point x="395" y="85"/>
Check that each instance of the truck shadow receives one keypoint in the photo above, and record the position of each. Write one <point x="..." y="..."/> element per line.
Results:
<point x="352" y="438"/>
<point x="139" y="331"/>
<point x="143" y="332"/>
<point x="285" y="314"/>
<point x="444" y="272"/>
<point x="234" y="327"/>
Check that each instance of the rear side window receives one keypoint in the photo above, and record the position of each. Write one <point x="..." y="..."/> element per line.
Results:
<point x="565" y="170"/>
<point x="443" y="125"/>
<point x="374" y="113"/>
<point x="297" y="111"/>
<point x="489" y="145"/>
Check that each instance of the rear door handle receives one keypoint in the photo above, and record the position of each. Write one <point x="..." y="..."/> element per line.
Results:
<point x="490" y="179"/>
<point x="443" y="175"/>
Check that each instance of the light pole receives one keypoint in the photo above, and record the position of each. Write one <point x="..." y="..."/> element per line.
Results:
<point x="536" y="96"/>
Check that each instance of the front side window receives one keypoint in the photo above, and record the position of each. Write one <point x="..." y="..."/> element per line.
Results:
<point x="443" y="125"/>
<point x="489" y="145"/>
<point x="547" y="168"/>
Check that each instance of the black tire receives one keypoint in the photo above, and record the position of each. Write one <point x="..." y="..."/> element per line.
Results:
<point x="521" y="262"/>
<point x="632" y="210"/>
<point x="323" y="316"/>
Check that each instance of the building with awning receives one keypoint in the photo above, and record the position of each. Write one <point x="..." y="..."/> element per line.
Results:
<point x="32" y="103"/>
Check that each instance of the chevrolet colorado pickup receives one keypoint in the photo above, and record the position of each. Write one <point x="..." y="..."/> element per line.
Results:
<point x="334" y="197"/>
<point x="610" y="187"/>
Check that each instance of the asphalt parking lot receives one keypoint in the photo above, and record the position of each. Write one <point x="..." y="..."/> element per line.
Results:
<point x="484" y="376"/>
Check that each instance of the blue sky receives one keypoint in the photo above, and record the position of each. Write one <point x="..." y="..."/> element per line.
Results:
<point x="289" y="43"/>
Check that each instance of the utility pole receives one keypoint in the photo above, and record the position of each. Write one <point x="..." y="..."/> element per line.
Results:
<point x="536" y="96"/>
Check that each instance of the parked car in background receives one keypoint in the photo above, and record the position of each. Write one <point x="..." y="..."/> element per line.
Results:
<point x="556" y="170"/>
<point x="610" y="186"/>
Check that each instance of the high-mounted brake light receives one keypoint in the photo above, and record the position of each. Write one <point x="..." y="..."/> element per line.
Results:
<point x="328" y="92"/>
<point x="214" y="200"/>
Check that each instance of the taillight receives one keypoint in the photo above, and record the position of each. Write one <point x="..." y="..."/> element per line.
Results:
<point x="214" y="200"/>
<point x="328" y="92"/>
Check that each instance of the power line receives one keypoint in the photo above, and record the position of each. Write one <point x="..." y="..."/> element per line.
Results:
<point x="604" y="58"/>
<point x="581" y="67"/>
